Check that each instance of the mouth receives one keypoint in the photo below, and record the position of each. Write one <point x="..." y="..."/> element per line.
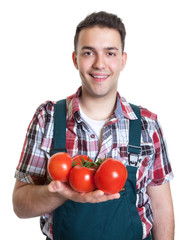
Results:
<point x="99" y="77"/>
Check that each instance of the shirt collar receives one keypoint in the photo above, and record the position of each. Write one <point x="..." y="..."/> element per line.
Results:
<point x="123" y="108"/>
<point x="73" y="103"/>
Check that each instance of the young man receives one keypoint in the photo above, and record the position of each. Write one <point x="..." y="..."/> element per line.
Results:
<point x="98" y="121"/>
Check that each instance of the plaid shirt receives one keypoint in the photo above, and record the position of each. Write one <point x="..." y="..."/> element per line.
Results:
<point x="154" y="167"/>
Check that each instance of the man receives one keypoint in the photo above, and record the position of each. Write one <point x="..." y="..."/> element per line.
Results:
<point x="98" y="122"/>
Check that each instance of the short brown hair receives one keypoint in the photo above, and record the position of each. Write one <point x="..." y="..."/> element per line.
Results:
<point x="102" y="19"/>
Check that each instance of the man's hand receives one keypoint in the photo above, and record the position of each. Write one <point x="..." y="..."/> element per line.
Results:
<point x="35" y="200"/>
<point x="91" y="197"/>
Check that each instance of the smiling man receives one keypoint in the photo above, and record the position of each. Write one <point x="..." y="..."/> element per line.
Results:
<point x="100" y="62"/>
<point x="99" y="59"/>
<point x="99" y="124"/>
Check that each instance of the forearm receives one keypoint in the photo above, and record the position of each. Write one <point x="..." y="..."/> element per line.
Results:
<point x="163" y="227"/>
<point x="163" y="213"/>
<point x="33" y="200"/>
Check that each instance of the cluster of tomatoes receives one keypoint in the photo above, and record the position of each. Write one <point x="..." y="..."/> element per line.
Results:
<point x="84" y="175"/>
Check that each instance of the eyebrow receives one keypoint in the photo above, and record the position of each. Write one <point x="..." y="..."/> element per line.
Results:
<point x="106" y="48"/>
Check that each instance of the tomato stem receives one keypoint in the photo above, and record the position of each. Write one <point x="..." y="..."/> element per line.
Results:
<point x="89" y="164"/>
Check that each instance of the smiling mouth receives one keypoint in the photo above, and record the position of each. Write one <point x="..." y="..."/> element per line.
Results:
<point x="99" y="77"/>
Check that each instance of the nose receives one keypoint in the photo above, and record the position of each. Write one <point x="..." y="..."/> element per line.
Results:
<point x="99" y="62"/>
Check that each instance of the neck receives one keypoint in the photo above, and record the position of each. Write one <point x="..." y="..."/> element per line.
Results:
<point x="100" y="108"/>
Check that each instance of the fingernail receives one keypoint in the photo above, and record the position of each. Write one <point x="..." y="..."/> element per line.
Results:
<point x="55" y="185"/>
<point x="51" y="187"/>
<point x="101" y="193"/>
<point x="117" y="195"/>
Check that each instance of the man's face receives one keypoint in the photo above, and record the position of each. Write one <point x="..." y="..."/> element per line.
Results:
<point x="99" y="60"/>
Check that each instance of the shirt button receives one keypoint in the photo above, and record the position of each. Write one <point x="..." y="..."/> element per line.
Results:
<point x="92" y="136"/>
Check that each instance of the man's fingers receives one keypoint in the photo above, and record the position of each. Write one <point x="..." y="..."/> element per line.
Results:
<point x="98" y="193"/>
<point x="90" y="197"/>
<point x="99" y="196"/>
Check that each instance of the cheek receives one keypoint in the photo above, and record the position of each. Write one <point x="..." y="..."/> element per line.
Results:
<point x="116" y="67"/>
<point x="83" y="66"/>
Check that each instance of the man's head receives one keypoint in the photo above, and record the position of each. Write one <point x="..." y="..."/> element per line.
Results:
<point x="99" y="54"/>
<point x="101" y="19"/>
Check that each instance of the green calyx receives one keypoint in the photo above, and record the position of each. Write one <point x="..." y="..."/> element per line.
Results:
<point x="83" y="163"/>
<point x="88" y="164"/>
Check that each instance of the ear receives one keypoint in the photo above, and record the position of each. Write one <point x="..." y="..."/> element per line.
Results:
<point x="124" y="60"/>
<point x="74" y="58"/>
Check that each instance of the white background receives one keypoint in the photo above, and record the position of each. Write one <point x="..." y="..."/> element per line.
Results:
<point x="36" y="43"/>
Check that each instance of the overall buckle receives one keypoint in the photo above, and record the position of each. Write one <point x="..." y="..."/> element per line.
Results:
<point x="133" y="159"/>
<point x="133" y="155"/>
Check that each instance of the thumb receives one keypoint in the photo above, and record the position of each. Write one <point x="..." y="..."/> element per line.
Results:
<point x="55" y="186"/>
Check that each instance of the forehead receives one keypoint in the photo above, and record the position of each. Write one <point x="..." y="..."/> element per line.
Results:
<point x="99" y="37"/>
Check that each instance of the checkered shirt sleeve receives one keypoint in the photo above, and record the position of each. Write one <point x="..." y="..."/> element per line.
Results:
<point x="35" y="153"/>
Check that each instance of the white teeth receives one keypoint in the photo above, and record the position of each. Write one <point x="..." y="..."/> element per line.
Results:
<point x="100" y="77"/>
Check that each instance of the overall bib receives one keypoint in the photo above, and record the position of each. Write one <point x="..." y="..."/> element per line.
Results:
<point x="112" y="220"/>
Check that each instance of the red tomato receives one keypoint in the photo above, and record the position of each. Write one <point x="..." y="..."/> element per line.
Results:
<point x="81" y="179"/>
<point x="78" y="159"/>
<point x="111" y="175"/>
<point x="59" y="166"/>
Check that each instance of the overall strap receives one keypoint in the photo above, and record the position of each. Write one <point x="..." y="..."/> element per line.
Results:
<point x="59" y="137"/>
<point x="134" y="148"/>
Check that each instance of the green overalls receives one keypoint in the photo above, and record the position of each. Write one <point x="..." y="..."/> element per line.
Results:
<point x="112" y="220"/>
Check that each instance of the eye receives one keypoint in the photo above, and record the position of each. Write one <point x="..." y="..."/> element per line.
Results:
<point x="88" y="53"/>
<point x="111" y="54"/>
